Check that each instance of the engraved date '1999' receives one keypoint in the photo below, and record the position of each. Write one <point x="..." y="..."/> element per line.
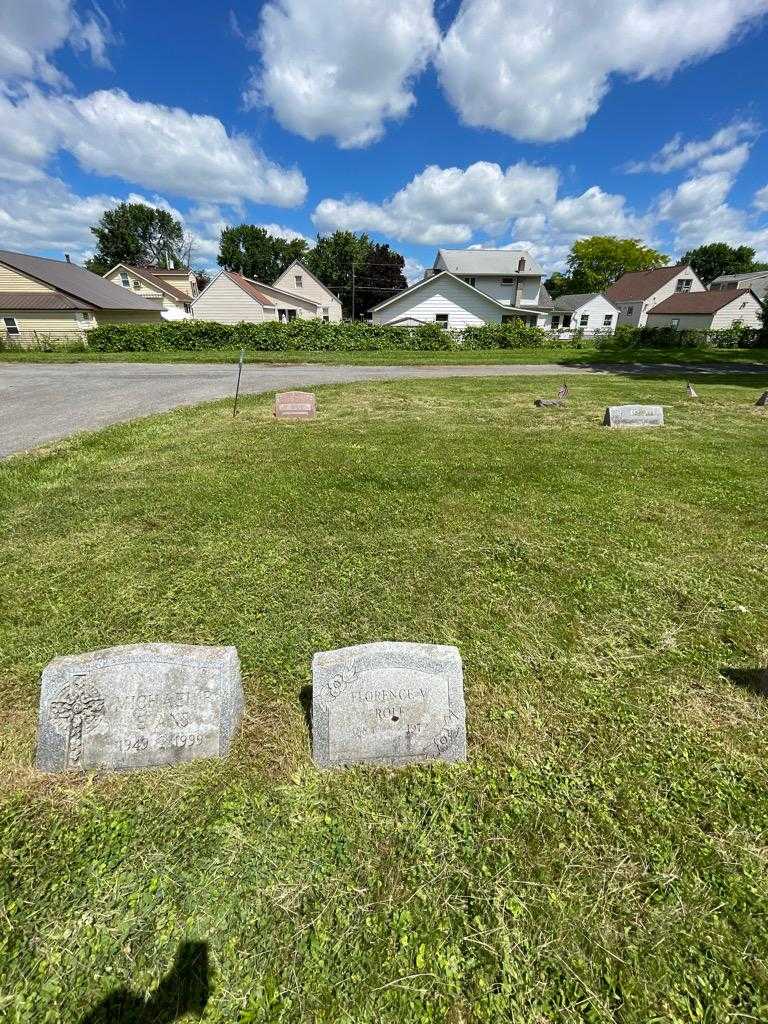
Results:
<point x="160" y="741"/>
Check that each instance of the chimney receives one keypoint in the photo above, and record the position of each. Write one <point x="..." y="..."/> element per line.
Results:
<point x="66" y="257"/>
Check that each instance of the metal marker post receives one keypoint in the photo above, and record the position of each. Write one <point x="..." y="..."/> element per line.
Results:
<point x="239" y="374"/>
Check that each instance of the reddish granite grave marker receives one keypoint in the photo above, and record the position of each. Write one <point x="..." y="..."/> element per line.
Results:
<point x="295" y="405"/>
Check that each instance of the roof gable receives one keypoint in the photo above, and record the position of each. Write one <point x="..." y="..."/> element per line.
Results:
<point x="446" y="274"/>
<point x="691" y="303"/>
<point x="77" y="282"/>
<point x="153" y="279"/>
<point x="642" y="284"/>
<point x="573" y="302"/>
<point x="305" y="270"/>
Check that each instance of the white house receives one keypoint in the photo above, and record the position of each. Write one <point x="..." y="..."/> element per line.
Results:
<point x="590" y="313"/>
<point x="707" y="311"/>
<point x="176" y="289"/>
<point x="231" y="298"/>
<point x="299" y="280"/>
<point x="757" y="281"/>
<point x="637" y="293"/>
<point x="470" y="287"/>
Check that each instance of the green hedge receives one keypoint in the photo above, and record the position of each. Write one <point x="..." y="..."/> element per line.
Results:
<point x="627" y="336"/>
<point x="307" y="336"/>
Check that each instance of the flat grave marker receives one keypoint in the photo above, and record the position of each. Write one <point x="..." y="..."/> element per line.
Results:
<point x="546" y="403"/>
<point x="138" y="706"/>
<point x="388" y="704"/>
<point x="634" y="416"/>
<point x="295" y="405"/>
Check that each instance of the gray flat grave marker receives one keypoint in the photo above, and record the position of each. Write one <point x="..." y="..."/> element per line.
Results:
<point x="545" y="403"/>
<point x="138" y="706"/>
<point x="763" y="399"/>
<point x="388" y="704"/>
<point x="634" y="416"/>
<point x="295" y="405"/>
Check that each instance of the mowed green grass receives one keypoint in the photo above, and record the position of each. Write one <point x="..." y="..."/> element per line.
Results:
<point x="569" y="355"/>
<point x="601" y="857"/>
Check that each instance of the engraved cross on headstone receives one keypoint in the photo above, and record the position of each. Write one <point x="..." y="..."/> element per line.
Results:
<point x="77" y="709"/>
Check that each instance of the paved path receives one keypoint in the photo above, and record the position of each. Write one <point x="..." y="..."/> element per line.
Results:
<point x="41" y="402"/>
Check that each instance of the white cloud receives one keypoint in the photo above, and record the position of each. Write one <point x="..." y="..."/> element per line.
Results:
<point x="540" y="71"/>
<point x="32" y="30"/>
<point x="761" y="199"/>
<point x="413" y="270"/>
<point x="447" y="204"/>
<point x="342" y="68"/>
<point x="727" y="149"/>
<point x="153" y="146"/>
<point x="699" y="212"/>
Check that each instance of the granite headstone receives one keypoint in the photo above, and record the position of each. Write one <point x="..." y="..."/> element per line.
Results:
<point x="388" y="704"/>
<point x="763" y="399"/>
<point x="634" y="416"/>
<point x="295" y="405"/>
<point x="138" y="706"/>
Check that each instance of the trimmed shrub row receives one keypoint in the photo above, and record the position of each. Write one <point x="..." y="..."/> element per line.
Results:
<point x="308" y="336"/>
<point x="627" y="336"/>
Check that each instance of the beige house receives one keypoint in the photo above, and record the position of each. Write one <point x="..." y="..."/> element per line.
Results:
<point x="709" y="311"/>
<point x="42" y="299"/>
<point x="176" y="289"/>
<point x="231" y="298"/>
<point x="640" y="291"/>
<point x="300" y="280"/>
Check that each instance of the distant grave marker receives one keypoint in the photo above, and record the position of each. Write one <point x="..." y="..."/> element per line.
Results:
<point x="545" y="403"/>
<point x="763" y="399"/>
<point x="295" y="405"/>
<point x="634" y="416"/>
<point x="388" y="704"/>
<point x="138" y="706"/>
<point x="690" y="391"/>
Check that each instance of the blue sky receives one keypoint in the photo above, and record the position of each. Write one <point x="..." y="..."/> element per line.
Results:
<point x="482" y="122"/>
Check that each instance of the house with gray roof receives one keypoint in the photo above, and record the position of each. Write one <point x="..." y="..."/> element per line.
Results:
<point x="757" y="281"/>
<point x="590" y="314"/>
<point x="470" y="287"/>
<point x="43" y="299"/>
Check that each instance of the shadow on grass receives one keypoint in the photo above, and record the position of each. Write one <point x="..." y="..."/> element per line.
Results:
<point x="183" y="990"/>
<point x="305" y="698"/>
<point x="753" y="679"/>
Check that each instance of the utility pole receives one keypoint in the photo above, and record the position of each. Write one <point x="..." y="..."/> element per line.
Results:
<point x="353" y="289"/>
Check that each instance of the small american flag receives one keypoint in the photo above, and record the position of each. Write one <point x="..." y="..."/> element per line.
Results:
<point x="562" y="391"/>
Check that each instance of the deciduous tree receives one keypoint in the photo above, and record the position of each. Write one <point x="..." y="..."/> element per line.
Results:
<point x="139" y="235"/>
<point x="710" y="261"/>
<point x="255" y="253"/>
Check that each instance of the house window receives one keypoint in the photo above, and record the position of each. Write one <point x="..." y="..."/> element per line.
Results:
<point x="566" y="320"/>
<point x="326" y="314"/>
<point x="187" y="308"/>
<point x="584" y="320"/>
<point x="684" y="284"/>
<point x="124" y="279"/>
<point x="11" y="327"/>
<point x="470" y="280"/>
<point x="509" y="280"/>
<point x="83" y="317"/>
<point x="442" y="319"/>
<point x="286" y="315"/>
<point x="630" y="310"/>
<point x="299" y="279"/>
<point x="675" y="324"/>
<point x="555" y="321"/>
<point x="608" y="320"/>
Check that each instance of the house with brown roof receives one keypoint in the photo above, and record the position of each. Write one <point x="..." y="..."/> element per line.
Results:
<point x="43" y="299"/>
<point x="637" y="293"/>
<point x="231" y="298"/>
<point x="176" y="289"/>
<point x="709" y="311"/>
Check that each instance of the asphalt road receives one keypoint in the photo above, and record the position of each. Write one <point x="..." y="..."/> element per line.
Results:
<point x="42" y="402"/>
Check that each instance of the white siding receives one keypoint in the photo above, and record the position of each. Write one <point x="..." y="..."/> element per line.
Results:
<point x="465" y="308"/>
<point x="744" y="309"/>
<point x="525" y="290"/>
<point x="641" y="308"/>
<point x="305" y="307"/>
<point x="227" y="303"/>
<point x="597" y="310"/>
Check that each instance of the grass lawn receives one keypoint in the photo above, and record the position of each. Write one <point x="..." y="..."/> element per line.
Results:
<point x="569" y="356"/>
<point x="601" y="857"/>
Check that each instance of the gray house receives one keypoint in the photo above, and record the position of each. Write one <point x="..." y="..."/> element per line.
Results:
<point x="757" y="281"/>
